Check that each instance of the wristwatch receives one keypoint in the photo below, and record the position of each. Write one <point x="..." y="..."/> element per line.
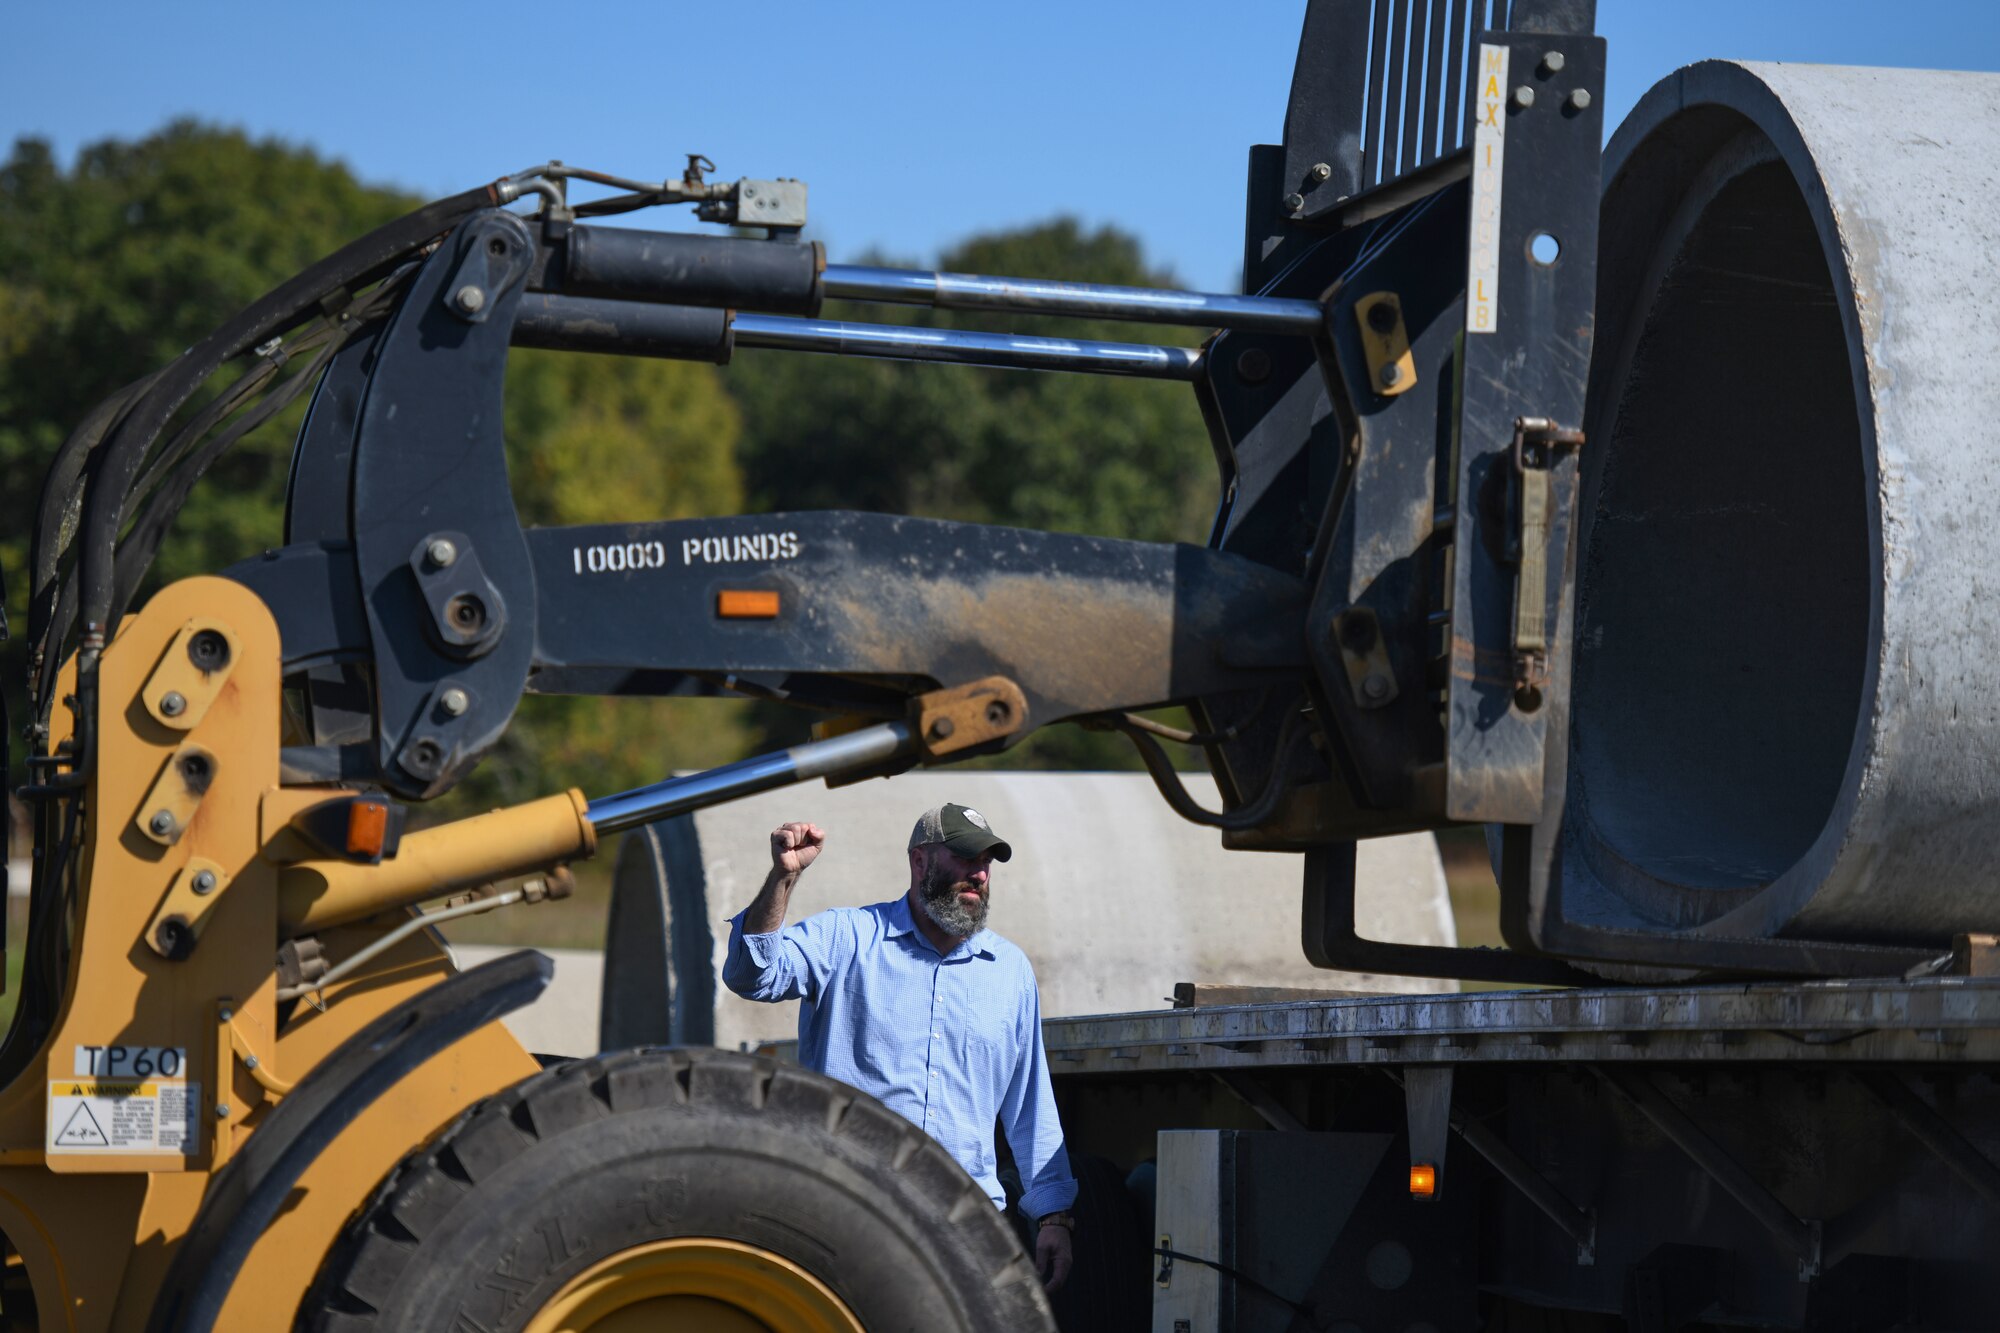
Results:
<point x="1067" y="1221"/>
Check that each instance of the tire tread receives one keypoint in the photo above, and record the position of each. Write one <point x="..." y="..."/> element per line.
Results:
<point x="373" y="1251"/>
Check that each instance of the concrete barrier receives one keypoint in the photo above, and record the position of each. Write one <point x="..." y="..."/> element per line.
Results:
<point x="1111" y="895"/>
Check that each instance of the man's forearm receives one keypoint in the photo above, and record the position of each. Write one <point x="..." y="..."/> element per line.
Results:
<point x="766" y="913"/>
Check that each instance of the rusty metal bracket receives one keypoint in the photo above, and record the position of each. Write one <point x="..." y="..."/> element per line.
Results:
<point x="185" y="778"/>
<point x="949" y="721"/>
<point x="1386" y="343"/>
<point x="184" y="912"/>
<point x="1537" y="443"/>
<point x="1358" y="634"/>
<point x="190" y="674"/>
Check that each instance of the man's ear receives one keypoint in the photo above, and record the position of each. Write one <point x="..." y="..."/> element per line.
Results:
<point x="918" y="863"/>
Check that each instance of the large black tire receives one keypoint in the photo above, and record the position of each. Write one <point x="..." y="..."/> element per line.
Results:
<point x="481" y="1227"/>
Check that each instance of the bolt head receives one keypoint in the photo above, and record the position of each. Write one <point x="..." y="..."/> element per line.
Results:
<point x="1294" y="202"/>
<point x="222" y="1110"/>
<point x="441" y="553"/>
<point x="1392" y="373"/>
<point x="454" y="701"/>
<point x="1321" y="171"/>
<point x="225" y="1015"/>
<point x="1524" y="97"/>
<point x="204" y="881"/>
<point x="173" y="703"/>
<point x="1375" y="687"/>
<point x="162" y="822"/>
<point x="1580" y="99"/>
<point x="1553" y="62"/>
<point x="249" y="1062"/>
<point x="1253" y="365"/>
<point x="942" y="728"/>
<point x="470" y="298"/>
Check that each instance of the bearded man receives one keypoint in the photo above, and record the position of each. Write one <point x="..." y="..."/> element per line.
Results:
<point x="916" y="1003"/>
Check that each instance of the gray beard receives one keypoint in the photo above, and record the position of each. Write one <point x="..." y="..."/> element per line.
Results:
<point x="941" y="904"/>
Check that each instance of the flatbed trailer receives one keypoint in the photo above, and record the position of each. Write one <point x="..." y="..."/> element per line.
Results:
<point x="1775" y="1154"/>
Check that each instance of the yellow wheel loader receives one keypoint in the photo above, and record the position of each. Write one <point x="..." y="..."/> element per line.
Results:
<point x="247" y="1089"/>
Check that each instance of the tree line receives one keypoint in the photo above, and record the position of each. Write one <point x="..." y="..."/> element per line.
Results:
<point x="109" y="268"/>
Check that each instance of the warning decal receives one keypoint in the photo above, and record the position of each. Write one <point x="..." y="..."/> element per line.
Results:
<point x="103" y="1115"/>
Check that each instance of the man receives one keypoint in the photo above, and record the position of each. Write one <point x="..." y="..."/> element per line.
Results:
<point x="916" y="1003"/>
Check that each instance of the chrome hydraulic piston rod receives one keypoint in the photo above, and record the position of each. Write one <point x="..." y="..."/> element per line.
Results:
<point x="1005" y="350"/>
<point x="522" y="839"/>
<point x="1036" y="296"/>
<point x="801" y="763"/>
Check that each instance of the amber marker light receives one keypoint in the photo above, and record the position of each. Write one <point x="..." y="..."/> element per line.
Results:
<point x="367" y="827"/>
<point x="746" y="604"/>
<point x="1423" y="1181"/>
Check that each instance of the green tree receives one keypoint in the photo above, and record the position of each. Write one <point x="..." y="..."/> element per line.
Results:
<point x="1066" y="453"/>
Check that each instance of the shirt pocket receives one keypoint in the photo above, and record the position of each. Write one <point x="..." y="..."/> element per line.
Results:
<point x="989" y="1054"/>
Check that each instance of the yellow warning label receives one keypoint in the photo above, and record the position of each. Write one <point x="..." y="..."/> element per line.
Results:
<point x="107" y="1087"/>
<point x="109" y="1115"/>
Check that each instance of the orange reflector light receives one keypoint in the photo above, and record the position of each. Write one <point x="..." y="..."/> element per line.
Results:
<point x="1423" y="1181"/>
<point x="746" y="604"/>
<point x="367" y="827"/>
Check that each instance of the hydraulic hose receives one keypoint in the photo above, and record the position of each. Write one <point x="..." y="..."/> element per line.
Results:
<point x="355" y="264"/>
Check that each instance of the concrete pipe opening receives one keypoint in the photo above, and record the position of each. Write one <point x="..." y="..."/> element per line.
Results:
<point x="1773" y="707"/>
<point x="1723" y="588"/>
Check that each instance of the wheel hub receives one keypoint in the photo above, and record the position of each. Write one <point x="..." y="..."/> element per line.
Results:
<point x="699" y="1284"/>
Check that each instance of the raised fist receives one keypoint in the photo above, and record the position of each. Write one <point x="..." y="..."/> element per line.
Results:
<point x="795" y="846"/>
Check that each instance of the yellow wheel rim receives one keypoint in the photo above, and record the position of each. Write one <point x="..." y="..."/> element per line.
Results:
<point x="695" y="1284"/>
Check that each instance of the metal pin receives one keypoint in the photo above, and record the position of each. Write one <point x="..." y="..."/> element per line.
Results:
<point x="173" y="703"/>
<point x="469" y="298"/>
<point x="204" y="881"/>
<point x="454" y="701"/>
<point x="162" y="823"/>
<point x="441" y="553"/>
<point x="1524" y="97"/>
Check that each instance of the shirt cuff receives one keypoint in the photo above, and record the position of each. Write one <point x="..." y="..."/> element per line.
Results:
<point x="761" y="948"/>
<point x="1055" y="1197"/>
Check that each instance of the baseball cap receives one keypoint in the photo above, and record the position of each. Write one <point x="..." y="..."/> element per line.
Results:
<point x="962" y="829"/>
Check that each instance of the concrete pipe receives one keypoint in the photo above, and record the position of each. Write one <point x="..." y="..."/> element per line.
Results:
<point x="1786" y="711"/>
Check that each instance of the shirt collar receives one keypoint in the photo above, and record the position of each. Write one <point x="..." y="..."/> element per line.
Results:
<point x="899" y="922"/>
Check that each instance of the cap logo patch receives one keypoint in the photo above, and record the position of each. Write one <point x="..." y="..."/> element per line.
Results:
<point x="974" y="818"/>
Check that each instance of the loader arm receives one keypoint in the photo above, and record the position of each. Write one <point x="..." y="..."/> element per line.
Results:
<point x="1372" y="640"/>
<point x="1393" y="404"/>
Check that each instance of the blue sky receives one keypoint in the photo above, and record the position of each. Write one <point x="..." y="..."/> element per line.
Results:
<point x="915" y="124"/>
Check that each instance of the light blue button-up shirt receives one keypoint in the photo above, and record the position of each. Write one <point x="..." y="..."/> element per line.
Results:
<point x="950" y="1042"/>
